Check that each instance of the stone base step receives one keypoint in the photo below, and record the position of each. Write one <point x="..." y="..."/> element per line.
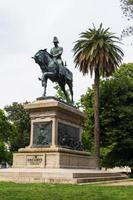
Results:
<point x="96" y="174"/>
<point x="99" y="179"/>
<point x="72" y="176"/>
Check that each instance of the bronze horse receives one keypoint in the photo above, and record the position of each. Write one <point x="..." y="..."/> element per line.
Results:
<point x="50" y="70"/>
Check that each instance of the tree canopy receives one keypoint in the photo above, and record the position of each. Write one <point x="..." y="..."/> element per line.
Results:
<point x="116" y="118"/>
<point x="14" y="130"/>
<point x="127" y="8"/>
<point x="7" y="134"/>
<point x="21" y="120"/>
<point x="6" y="128"/>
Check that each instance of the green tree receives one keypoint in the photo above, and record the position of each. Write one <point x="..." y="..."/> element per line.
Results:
<point x="7" y="130"/>
<point x="97" y="51"/>
<point x="127" y="8"/>
<point x="21" y="120"/>
<point x="3" y="152"/>
<point x="86" y="103"/>
<point x="116" y="117"/>
<point x="7" y="133"/>
<point x="117" y="112"/>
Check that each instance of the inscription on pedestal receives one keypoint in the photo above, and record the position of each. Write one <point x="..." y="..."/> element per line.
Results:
<point x="34" y="161"/>
<point x="42" y="134"/>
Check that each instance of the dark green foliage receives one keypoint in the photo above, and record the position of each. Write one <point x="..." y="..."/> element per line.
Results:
<point x="3" y="152"/>
<point x="6" y="128"/>
<point x="116" y="117"/>
<point x="20" y="118"/>
<point x="7" y="133"/>
<point x="14" y="130"/>
<point x="88" y="130"/>
<point x="127" y="8"/>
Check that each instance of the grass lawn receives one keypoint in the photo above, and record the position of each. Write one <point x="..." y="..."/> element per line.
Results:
<point x="13" y="191"/>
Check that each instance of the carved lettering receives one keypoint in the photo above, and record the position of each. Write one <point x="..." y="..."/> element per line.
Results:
<point x="34" y="160"/>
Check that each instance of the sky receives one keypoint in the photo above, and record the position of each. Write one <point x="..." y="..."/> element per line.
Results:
<point x="27" y="26"/>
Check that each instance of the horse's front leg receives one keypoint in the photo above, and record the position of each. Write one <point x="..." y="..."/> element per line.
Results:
<point x="44" y="83"/>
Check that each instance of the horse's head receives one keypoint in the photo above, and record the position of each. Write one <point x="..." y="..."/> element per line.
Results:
<point x="40" y="57"/>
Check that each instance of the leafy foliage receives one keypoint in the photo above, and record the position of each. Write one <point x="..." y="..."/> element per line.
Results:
<point x="14" y="130"/>
<point x="21" y="120"/>
<point x="88" y="129"/>
<point x="3" y="151"/>
<point x="7" y="133"/>
<point x="117" y="112"/>
<point x="116" y="117"/>
<point x="127" y="8"/>
<point x="6" y="128"/>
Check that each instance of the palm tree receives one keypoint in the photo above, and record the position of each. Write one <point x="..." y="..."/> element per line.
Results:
<point x="97" y="52"/>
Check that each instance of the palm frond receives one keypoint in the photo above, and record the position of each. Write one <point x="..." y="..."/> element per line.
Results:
<point x="97" y="48"/>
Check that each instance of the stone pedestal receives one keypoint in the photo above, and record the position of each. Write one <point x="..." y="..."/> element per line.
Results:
<point x="55" y="140"/>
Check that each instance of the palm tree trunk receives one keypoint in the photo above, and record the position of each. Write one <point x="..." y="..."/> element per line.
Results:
<point x="96" y="119"/>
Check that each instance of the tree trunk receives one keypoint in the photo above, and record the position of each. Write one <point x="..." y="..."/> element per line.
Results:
<point x="131" y="174"/>
<point x="96" y="119"/>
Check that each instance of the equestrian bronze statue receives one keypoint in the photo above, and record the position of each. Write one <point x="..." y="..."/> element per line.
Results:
<point x="53" y="68"/>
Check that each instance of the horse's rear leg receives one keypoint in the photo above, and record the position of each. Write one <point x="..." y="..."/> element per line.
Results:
<point x="45" y="86"/>
<point x="70" y="85"/>
<point x="65" y="93"/>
